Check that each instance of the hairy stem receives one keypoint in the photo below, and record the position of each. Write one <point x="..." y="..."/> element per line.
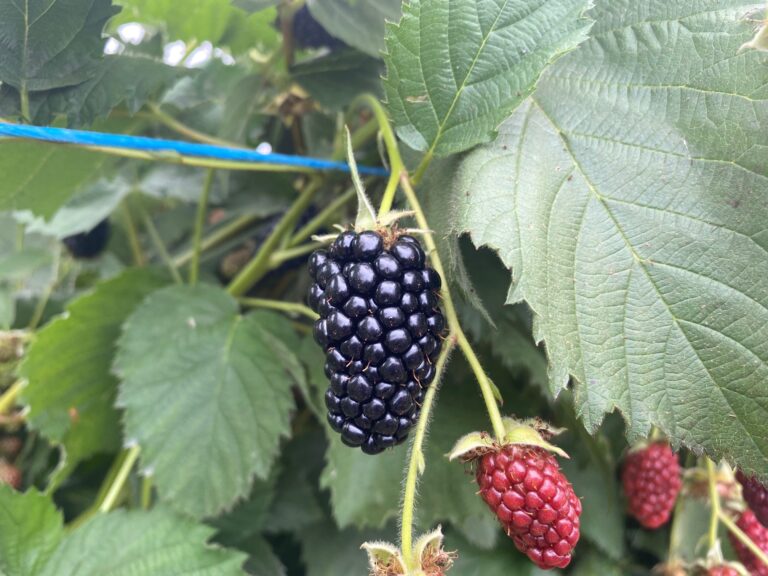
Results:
<point x="397" y="166"/>
<point x="714" y="501"/>
<point x="743" y="538"/>
<point x="197" y="238"/>
<point x="281" y="256"/>
<point x="162" y="251"/>
<point x="416" y="459"/>
<point x="139" y="259"/>
<point x="486" y="387"/>
<point x="218" y="236"/>
<point x="9" y="397"/>
<point x="118" y="483"/>
<point x="290" y="307"/>
<point x="321" y="219"/>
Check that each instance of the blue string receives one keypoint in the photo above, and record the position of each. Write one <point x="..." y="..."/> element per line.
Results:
<point x="159" y="145"/>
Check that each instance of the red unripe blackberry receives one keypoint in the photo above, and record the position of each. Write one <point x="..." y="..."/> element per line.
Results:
<point x="651" y="479"/>
<point x="534" y="502"/>
<point x="755" y="495"/>
<point x="381" y="328"/>
<point x="758" y="533"/>
<point x="723" y="571"/>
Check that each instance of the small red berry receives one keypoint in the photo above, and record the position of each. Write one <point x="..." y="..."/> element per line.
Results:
<point x="722" y="571"/>
<point x="533" y="500"/>
<point x="759" y="535"/>
<point x="10" y="474"/>
<point x="651" y="479"/>
<point x="755" y="495"/>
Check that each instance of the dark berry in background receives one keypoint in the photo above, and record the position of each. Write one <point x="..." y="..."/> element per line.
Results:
<point x="89" y="244"/>
<point x="382" y="330"/>
<point x="755" y="495"/>
<point x="309" y="33"/>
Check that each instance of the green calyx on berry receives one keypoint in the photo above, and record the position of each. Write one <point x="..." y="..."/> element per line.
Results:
<point x="533" y="432"/>
<point x="429" y="557"/>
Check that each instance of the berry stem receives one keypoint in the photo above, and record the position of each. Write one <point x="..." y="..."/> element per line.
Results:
<point x="116" y="487"/>
<point x="197" y="238"/>
<point x="714" y="500"/>
<point x="416" y="459"/>
<point x="281" y="256"/>
<point x="290" y="307"/>
<point x="396" y="165"/>
<point x="743" y="538"/>
<point x="218" y="236"/>
<point x="486" y="387"/>
<point x="139" y="259"/>
<point x="9" y="397"/>
<point x="322" y="218"/>
<point x="162" y="251"/>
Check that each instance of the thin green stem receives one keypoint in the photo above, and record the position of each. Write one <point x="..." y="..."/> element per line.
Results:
<point x="11" y="395"/>
<point x="483" y="381"/>
<point x="39" y="311"/>
<point x="397" y="167"/>
<point x="184" y="130"/>
<point x="290" y="307"/>
<point x="739" y="534"/>
<point x="321" y="219"/>
<point x="146" y="492"/>
<point x="422" y="168"/>
<point x="139" y="259"/>
<point x="197" y="239"/>
<point x="281" y="256"/>
<point x="259" y="265"/>
<point x="24" y="97"/>
<point x="218" y="236"/>
<point x="416" y="460"/>
<point x="675" y="531"/>
<point x="118" y="484"/>
<point x="162" y="251"/>
<point x="714" y="501"/>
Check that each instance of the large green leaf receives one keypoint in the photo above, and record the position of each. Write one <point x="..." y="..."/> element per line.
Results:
<point x="366" y="491"/>
<point x="47" y="44"/>
<point x="198" y="21"/>
<point x="141" y="544"/>
<point x="628" y="198"/>
<point x="30" y="530"/>
<point x="207" y="394"/>
<point x="42" y="177"/>
<point x="71" y="390"/>
<point x="455" y="70"/>
<point x="356" y="22"/>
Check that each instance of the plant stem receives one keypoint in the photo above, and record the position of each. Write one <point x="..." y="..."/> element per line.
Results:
<point x="133" y="236"/>
<point x="117" y="485"/>
<point x="197" y="239"/>
<point x="259" y="265"/>
<point x="24" y="97"/>
<point x="416" y="459"/>
<point x="281" y="256"/>
<point x="674" y="531"/>
<point x="743" y="538"/>
<point x="322" y="218"/>
<point x="422" y="168"/>
<point x="154" y="235"/>
<point x="218" y="236"/>
<point x="146" y="492"/>
<point x="291" y="307"/>
<point x="184" y="130"/>
<point x="395" y="160"/>
<point x="9" y="397"/>
<point x="450" y="311"/>
<point x="714" y="500"/>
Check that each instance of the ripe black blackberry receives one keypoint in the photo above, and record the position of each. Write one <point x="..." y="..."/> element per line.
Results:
<point x="382" y="329"/>
<point x="309" y="33"/>
<point x="89" y="244"/>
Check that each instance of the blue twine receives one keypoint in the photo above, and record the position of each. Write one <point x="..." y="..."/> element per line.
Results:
<point x="85" y="138"/>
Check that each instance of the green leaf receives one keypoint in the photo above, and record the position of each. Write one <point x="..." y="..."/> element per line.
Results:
<point x="49" y="44"/>
<point x="198" y="21"/>
<point x="594" y="563"/>
<point x="142" y="544"/>
<point x="328" y="551"/>
<point x="7" y="308"/>
<point x="30" y="530"/>
<point x="81" y="213"/>
<point x="71" y="391"/>
<point x="207" y="394"/>
<point x="42" y="177"/>
<point x="334" y="80"/>
<point x="255" y="5"/>
<point x="366" y="491"/>
<point x="503" y="560"/>
<point x="456" y="69"/>
<point x="357" y="22"/>
<point x="627" y="197"/>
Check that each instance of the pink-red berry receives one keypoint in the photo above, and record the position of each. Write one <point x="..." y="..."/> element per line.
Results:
<point x="755" y="495"/>
<point x="10" y="474"/>
<point x="722" y="571"/>
<point x="651" y="479"/>
<point x="534" y="502"/>
<point x="758" y="533"/>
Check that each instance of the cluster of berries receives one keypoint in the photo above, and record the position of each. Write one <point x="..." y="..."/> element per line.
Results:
<point x="382" y="330"/>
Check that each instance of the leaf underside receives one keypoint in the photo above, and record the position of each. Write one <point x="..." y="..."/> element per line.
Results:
<point x="627" y="196"/>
